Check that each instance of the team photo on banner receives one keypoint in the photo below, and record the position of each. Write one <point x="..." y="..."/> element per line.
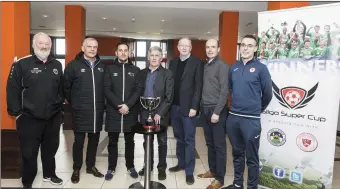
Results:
<point x="301" y="48"/>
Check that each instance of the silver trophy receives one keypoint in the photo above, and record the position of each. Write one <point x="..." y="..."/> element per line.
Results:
<point x="150" y="104"/>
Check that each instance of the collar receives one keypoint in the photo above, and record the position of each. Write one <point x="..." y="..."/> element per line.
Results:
<point x="149" y="70"/>
<point x="213" y="60"/>
<point x="49" y="59"/>
<point x="249" y="62"/>
<point x="184" y="57"/>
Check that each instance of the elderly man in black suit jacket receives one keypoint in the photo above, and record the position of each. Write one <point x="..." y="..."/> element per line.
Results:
<point x="158" y="82"/>
<point x="188" y="77"/>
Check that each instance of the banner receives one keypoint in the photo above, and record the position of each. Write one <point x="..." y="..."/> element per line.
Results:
<point x="301" y="50"/>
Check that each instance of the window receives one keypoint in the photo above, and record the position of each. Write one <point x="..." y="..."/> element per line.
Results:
<point x="60" y="46"/>
<point x="141" y="64"/>
<point x="141" y="48"/>
<point x="62" y="61"/>
<point x="155" y="43"/>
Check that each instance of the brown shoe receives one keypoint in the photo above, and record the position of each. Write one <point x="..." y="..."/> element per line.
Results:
<point x="215" y="185"/>
<point x="207" y="174"/>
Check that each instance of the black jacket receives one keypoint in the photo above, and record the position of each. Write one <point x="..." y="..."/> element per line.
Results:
<point x="163" y="88"/>
<point x="121" y="87"/>
<point x="84" y="91"/>
<point x="35" y="88"/>
<point x="191" y="84"/>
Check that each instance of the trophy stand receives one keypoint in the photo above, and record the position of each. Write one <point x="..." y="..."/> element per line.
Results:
<point x="148" y="129"/>
<point x="148" y="184"/>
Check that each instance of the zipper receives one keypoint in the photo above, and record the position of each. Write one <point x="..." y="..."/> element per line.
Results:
<point x="94" y="98"/>
<point x="121" y="120"/>
<point x="22" y="95"/>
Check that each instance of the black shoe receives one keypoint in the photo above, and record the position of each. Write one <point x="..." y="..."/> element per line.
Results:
<point x="75" y="177"/>
<point x="53" y="180"/>
<point x="141" y="172"/>
<point x="161" y="175"/>
<point x="190" y="180"/>
<point x="175" y="169"/>
<point x="94" y="171"/>
<point x="27" y="186"/>
<point x="232" y="187"/>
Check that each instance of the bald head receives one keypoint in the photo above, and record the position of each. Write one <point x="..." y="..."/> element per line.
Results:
<point x="184" y="46"/>
<point x="212" y="48"/>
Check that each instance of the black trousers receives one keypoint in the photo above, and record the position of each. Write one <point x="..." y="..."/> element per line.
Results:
<point x="129" y="150"/>
<point x="215" y="137"/>
<point x="91" y="152"/>
<point x="34" y="133"/>
<point x="162" y="140"/>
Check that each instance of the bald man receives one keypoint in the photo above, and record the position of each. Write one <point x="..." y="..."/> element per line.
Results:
<point x="214" y="113"/>
<point x="84" y="90"/>
<point x="34" y="97"/>
<point x="188" y="76"/>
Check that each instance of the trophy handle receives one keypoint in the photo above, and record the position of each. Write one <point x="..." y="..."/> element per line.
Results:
<point x="141" y="99"/>
<point x="158" y="99"/>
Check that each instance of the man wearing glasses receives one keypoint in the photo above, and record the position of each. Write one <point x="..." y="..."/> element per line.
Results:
<point x="188" y="81"/>
<point x="251" y="91"/>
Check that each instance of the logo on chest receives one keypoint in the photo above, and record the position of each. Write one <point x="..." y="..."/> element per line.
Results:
<point x="82" y="70"/>
<point x="115" y="74"/>
<point x="131" y="74"/>
<point x="55" y="71"/>
<point x="100" y="69"/>
<point x="252" y="70"/>
<point x="35" y="70"/>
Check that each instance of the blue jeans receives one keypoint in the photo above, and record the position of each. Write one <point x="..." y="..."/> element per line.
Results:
<point x="184" y="132"/>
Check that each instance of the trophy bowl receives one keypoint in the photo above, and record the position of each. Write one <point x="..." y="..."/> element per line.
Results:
<point x="150" y="104"/>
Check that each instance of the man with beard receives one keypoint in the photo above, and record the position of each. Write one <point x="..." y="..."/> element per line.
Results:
<point x="122" y="92"/>
<point x="35" y="97"/>
<point x="84" y="91"/>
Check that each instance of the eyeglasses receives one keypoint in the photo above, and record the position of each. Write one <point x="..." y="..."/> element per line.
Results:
<point x="186" y="46"/>
<point x="249" y="45"/>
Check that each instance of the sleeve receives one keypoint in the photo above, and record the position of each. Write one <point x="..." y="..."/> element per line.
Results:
<point x="266" y="87"/>
<point x="13" y="90"/>
<point x="68" y="80"/>
<point x="61" y="86"/>
<point x="223" y="97"/>
<point x="230" y="83"/>
<point x="108" y="90"/>
<point x="169" y="95"/>
<point x="139" y="87"/>
<point x="197" y="86"/>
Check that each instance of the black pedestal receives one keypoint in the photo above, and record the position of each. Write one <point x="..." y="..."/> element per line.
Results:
<point x="147" y="183"/>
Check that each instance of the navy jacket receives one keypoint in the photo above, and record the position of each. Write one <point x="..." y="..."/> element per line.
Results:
<point x="250" y="87"/>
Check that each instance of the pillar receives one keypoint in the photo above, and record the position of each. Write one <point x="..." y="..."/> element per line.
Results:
<point x="277" y="5"/>
<point x="15" y="35"/>
<point x="228" y="36"/>
<point x="75" y="24"/>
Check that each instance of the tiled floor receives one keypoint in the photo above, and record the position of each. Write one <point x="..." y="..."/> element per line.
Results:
<point x="122" y="180"/>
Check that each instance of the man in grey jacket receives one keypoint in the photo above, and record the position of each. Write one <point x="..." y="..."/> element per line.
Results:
<point x="214" y="113"/>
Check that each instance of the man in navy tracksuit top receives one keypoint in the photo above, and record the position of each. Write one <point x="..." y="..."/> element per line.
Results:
<point x="251" y="91"/>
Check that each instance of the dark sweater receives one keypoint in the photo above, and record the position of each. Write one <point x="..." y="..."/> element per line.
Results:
<point x="178" y="78"/>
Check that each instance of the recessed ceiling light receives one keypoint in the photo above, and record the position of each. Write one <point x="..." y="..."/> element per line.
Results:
<point x="133" y="19"/>
<point x="120" y="36"/>
<point x="114" y="29"/>
<point x="208" y="32"/>
<point x="163" y="20"/>
<point x="104" y="18"/>
<point x="44" y="15"/>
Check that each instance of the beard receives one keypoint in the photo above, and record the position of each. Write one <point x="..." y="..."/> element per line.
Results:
<point x="42" y="53"/>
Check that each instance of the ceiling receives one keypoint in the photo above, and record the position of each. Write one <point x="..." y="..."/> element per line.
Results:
<point x="192" y="19"/>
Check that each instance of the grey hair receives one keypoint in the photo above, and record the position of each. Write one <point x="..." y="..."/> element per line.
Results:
<point x="88" y="39"/>
<point x="155" y="48"/>
<point x="185" y="38"/>
<point x="37" y="35"/>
